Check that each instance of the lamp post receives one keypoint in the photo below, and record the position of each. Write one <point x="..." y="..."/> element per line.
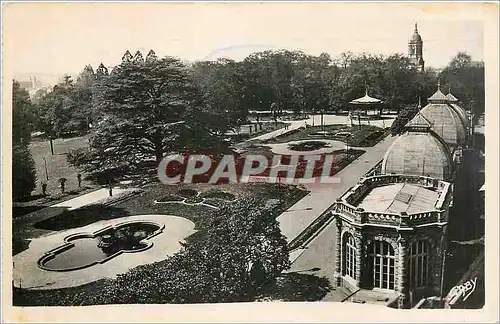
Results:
<point x="322" y="123"/>
<point x="46" y="172"/>
<point x="279" y="190"/>
<point x="472" y="122"/>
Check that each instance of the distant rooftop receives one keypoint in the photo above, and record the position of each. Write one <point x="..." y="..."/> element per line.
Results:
<point x="400" y="197"/>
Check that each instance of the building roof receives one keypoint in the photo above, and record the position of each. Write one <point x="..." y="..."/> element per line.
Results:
<point x="400" y="197"/>
<point x="451" y="97"/>
<point x="418" y="123"/>
<point x="446" y="123"/>
<point x="366" y="99"/>
<point x="453" y="101"/>
<point x="461" y="113"/>
<point x="438" y="97"/>
<point x="418" y="153"/>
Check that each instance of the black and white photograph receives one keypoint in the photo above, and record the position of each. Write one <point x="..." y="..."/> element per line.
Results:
<point x="253" y="153"/>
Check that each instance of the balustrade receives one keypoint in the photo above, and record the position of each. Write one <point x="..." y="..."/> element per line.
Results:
<point x="359" y="215"/>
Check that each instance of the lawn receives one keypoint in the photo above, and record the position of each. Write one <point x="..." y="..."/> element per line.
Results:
<point x="48" y="220"/>
<point x="364" y="136"/>
<point x="57" y="165"/>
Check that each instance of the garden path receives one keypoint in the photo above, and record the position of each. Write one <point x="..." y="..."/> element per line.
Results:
<point x="90" y="198"/>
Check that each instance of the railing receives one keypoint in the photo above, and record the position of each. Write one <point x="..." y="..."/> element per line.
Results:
<point x="359" y="215"/>
<point x="348" y="201"/>
<point x="368" y="183"/>
<point x="444" y="193"/>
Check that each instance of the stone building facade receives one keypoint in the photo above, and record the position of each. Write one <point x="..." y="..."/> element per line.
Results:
<point x="397" y="248"/>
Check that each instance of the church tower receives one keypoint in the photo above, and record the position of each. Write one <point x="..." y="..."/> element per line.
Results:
<point x="415" y="47"/>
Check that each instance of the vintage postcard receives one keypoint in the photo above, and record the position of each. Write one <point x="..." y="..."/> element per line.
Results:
<point x="250" y="161"/>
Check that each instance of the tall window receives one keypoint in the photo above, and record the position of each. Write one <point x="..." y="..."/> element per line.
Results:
<point x="382" y="257"/>
<point x="349" y="256"/>
<point x="419" y="259"/>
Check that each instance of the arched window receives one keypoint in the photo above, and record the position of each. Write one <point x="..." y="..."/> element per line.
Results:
<point x="419" y="263"/>
<point x="382" y="257"/>
<point x="349" y="256"/>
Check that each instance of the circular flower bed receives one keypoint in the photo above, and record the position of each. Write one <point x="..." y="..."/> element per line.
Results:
<point x="187" y="193"/>
<point x="171" y="198"/>
<point x="219" y="195"/>
<point x="193" y="200"/>
<point x="308" y="146"/>
<point x="215" y="202"/>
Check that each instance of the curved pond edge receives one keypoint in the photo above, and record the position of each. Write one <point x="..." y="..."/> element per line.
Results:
<point x="68" y="245"/>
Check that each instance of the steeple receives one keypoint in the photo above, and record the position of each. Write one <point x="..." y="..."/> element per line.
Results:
<point x="415" y="49"/>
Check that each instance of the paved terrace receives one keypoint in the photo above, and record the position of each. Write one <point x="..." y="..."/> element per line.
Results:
<point x="299" y="216"/>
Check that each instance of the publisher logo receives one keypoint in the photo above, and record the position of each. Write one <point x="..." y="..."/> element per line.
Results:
<point x="202" y="168"/>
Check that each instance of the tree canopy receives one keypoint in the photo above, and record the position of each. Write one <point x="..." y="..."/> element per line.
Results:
<point x="23" y="166"/>
<point x="465" y="79"/>
<point x="145" y="109"/>
<point x="22" y="115"/>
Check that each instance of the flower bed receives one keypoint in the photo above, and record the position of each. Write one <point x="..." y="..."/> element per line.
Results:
<point x="219" y="195"/>
<point x="171" y="198"/>
<point x="193" y="200"/>
<point x="215" y="202"/>
<point x="187" y="193"/>
<point x="308" y="146"/>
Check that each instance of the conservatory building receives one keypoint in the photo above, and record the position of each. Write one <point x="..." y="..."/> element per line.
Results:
<point x="390" y="233"/>
<point x="420" y="152"/>
<point x="446" y="120"/>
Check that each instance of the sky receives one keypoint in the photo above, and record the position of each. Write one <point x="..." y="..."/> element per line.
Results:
<point x="52" y="39"/>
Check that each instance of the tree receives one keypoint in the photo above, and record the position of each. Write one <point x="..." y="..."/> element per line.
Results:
<point x="221" y="85"/>
<point x="23" y="166"/>
<point x="82" y="95"/>
<point x="465" y="79"/>
<point x="67" y="109"/>
<point x="23" y="172"/>
<point x="146" y="108"/>
<point x="22" y="115"/>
